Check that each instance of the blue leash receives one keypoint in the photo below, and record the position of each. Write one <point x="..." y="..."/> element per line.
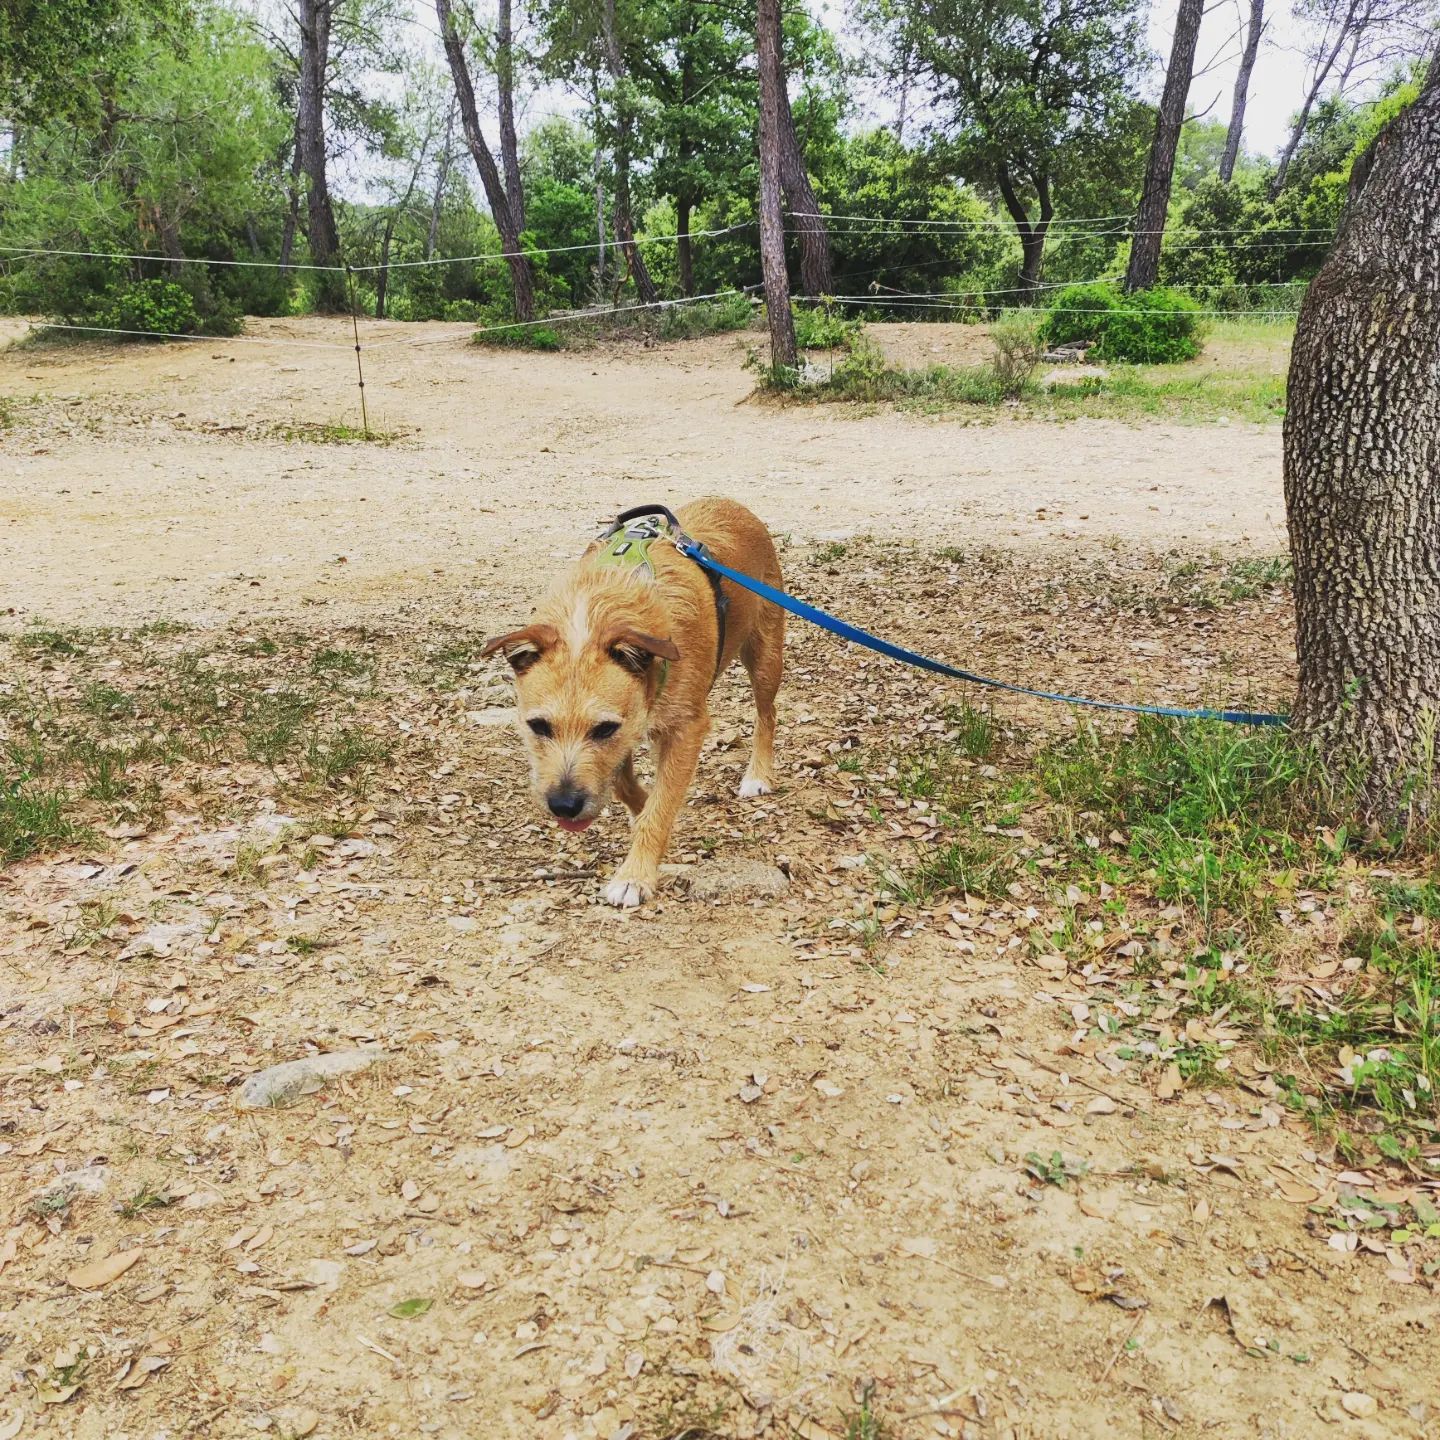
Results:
<point x="702" y="557"/>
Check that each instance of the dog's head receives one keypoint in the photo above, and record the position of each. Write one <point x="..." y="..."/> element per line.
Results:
<point x="584" y="704"/>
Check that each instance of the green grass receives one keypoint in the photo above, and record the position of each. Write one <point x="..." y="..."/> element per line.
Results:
<point x="866" y="1423"/>
<point x="1241" y="377"/>
<point x="317" y="432"/>
<point x="34" y="818"/>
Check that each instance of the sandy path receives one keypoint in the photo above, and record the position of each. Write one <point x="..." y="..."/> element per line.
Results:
<point x="180" y="512"/>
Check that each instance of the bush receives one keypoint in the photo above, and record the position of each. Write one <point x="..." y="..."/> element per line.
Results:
<point x="1153" y="327"/>
<point x="1080" y="312"/>
<point x="819" y="327"/>
<point x="1148" y="327"/>
<point x="160" y="306"/>
<point x="1019" y="340"/>
<point x="520" y="337"/>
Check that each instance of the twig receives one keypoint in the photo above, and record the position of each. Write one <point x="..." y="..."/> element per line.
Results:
<point x="379" y="1350"/>
<point x="1119" y="1351"/>
<point x="1066" y="1075"/>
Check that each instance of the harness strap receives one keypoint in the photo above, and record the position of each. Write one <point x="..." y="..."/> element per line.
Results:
<point x="634" y="549"/>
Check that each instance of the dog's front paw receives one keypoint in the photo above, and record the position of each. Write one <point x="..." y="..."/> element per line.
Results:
<point x="752" y="785"/>
<point x="627" y="892"/>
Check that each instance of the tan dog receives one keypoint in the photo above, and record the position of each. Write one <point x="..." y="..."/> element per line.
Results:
<point x="625" y="647"/>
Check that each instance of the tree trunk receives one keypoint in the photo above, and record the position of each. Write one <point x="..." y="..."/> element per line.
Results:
<point x="292" y="209"/>
<point x="1362" y="476"/>
<point x="817" y="276"/>
<point x="505" y="80"/>
<point x="382" y="279"/>
<point x="624" y="128"/>
<point x="522" y="282"/>
<point x="1236" y="132"/>
<point x="1144" y="268"/>
<point x="1323" y="67"/>
<point x="772" y="222"/>
<point x="1032" y="233"/>
<point x="442" y="175"/>
<point x="685" y="259"/>
<point x="324" y="237"/>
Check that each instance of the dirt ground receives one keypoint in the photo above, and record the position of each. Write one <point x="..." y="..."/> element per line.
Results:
<point x="752" y="1165"/>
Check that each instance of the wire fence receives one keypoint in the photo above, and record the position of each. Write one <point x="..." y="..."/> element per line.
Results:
<point x="971" y="303"/>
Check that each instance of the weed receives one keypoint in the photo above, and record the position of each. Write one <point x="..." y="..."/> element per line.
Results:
<point x="142" y="1200"/>
<point x="49" y="641"/>
<point x="831" y="551"/>
<point x="973" y="731"/>
<point x="53" y="1203"/>
<point x="344" y="663"/>
<point x="973" y="863"/>
<point x="866" y="1423"/>
<point x="105" y="702"/>
<point x="272" y="724"/>
<point x="331" y="433"/>
<point x="33" y="819"/>
<point x="1056" y="1170"/>
<point x="345" y="756"/>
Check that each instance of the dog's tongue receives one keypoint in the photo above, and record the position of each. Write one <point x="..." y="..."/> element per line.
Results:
<point x="575" y="826"/>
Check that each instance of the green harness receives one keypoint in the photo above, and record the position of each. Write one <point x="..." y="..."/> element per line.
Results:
<point x="626" y="546"/>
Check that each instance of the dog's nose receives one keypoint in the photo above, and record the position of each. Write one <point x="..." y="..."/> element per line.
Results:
<point x="566" y="803"/>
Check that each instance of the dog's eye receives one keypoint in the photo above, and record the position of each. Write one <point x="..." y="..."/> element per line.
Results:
<point x="605" y="729"/>
<point x="540" y="728"/>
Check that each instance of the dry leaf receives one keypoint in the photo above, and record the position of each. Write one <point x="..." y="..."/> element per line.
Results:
<point x="137" y="1372"/>
<point x="96" y="1273"/>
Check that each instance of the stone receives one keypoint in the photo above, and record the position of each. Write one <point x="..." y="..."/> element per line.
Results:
<point x="737" y="879"/>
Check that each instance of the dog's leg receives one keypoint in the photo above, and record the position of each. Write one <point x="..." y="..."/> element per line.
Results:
<point x="764" y="657"/>
<point x="634" y="882"/>
<point x="628" y="789"/>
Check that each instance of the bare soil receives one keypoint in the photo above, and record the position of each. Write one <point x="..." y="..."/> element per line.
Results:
<point x="749" y="1167"/>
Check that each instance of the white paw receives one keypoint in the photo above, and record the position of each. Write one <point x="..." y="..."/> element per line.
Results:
<point x="627" y="894"/>
<point x="750" y="787"/>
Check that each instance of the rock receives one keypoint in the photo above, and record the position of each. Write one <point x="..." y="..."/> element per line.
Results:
<point x="737" y="880"/>
<point x="1358" y="1404"/>
<point x="285" y="1084"/>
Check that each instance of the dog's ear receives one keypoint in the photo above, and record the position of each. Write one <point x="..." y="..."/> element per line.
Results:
<point x="634" y="650"/>
<point x="523" y="647"/>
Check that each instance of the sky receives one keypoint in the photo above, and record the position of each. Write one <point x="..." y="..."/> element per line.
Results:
<point x="1277" y="85"/>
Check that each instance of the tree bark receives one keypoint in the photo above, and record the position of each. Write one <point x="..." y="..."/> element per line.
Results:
<point x="1362" y="476"/>
<point x="292" y="208"/>
<point x="1032" y="233"/>
<point x="324" y="237"/>
<point x="817" y="276"/>
<point x="505" y="82"/>
<point x="684" y="257"/>
<point x="1236" y="132"/>
<point x="1144" y="267"/>
<point x="772" y="223"/>
<point x="624" y="128"/>
<point x="522" y="283"/>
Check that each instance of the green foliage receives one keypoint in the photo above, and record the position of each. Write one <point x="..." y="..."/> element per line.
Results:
<point x="1148" y="327"/>
<point x="822" y="327"/>
<point x="871" y="173"/>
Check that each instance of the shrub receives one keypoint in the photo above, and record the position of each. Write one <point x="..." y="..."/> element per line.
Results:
<point x="715" y="317"/>
<point x="160" y="306"/>
<point x="520" y="337"/>
<point x="1019" y="340"/>
<point x="820" y="327"/>
<point x="1080" y="312"/>
<point x="1147" y="327"/>
<point x="1153" y="327"/>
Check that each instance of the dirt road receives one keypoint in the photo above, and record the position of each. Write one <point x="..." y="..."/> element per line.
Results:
<point x="157" y="482"/>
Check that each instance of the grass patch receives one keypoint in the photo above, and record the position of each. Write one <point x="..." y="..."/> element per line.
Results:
<point x="34" y="818"/>
<point x="315" y="432"/>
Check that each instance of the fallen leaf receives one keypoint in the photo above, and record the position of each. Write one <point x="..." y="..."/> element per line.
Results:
<point x="10" y="1428"/>
<point x="1171" y="1083"/>
<point x="137" y="1372"/>
<point x="101" y="1272"/>
<point x="408" y="1309"/>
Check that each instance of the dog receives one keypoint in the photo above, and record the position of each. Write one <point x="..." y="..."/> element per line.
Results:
<point x="626" y="647"/>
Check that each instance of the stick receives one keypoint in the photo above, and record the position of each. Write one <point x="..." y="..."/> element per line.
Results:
<point x="359" y="369"/>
